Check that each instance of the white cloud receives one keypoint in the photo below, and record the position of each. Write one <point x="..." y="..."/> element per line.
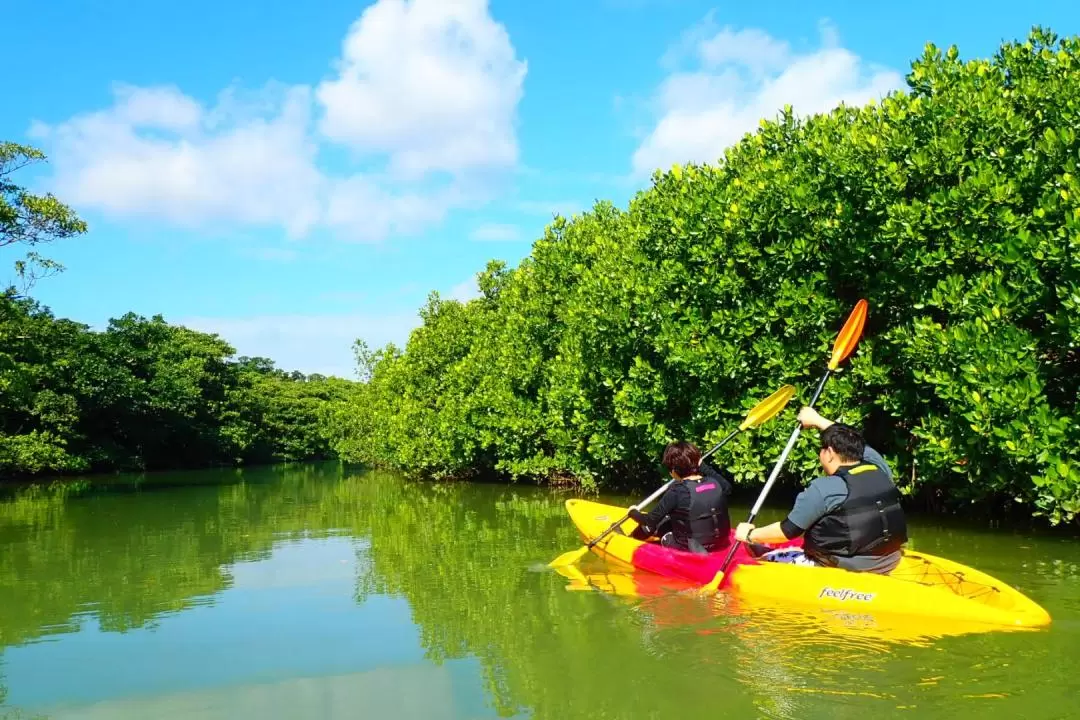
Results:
<point x="308" y="343"/>
<point x="755" y="49"/>
<point x="465" y="291"/>
<point x="434" y="83"/>
<point x="495" y="232"/>
<point x="740" y="77"/>
<point x="157" y="152"/>
<point x="360" y="205"/>
<point x="424" y="87"/>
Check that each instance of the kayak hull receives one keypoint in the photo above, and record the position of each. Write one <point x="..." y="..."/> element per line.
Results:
<point x="922" y="585"/>
<point x="670" y="602"/>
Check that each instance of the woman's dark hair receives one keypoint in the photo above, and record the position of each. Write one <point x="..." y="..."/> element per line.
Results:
<point x="844" y="440"/>
<point x="682" y="458"/>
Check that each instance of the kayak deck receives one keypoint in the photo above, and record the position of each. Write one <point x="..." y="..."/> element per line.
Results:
<point x="922" y="584"/>
<point x="593" y="518"/>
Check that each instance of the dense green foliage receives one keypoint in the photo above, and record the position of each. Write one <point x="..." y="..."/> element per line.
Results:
<point x="144" y="394"/>
<point x="953" y="208"/>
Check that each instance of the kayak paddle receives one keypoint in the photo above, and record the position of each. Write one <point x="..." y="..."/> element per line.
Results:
<point x="842" y="347"/>
<point x="763" y="411"/>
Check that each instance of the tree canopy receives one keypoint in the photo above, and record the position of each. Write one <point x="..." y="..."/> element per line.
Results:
<point x="145" y="395"/>
<point x="142" y="394"/>
<point x="952" y="207"/>
<point x="31" y="220"/>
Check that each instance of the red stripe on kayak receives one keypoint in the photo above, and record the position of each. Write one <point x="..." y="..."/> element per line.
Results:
<point x="701" y="569"/>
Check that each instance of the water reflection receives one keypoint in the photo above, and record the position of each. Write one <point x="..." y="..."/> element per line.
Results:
<point x="308" y="592"/>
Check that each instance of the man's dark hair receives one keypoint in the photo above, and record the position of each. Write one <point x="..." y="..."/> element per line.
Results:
<point x="682" y="457"/>
<point x="844" y="440"/>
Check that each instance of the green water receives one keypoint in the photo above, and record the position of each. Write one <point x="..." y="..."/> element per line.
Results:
<point x="307" y="593"/>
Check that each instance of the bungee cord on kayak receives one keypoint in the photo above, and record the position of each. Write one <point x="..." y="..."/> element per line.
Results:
<point x="927" y="573"/>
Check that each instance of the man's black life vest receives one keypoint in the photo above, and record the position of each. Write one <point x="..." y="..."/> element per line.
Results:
<point x="869" y="522"/>
<point x="706" y="519"/>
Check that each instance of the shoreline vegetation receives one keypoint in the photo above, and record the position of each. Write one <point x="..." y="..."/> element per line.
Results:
<point x="144" y="395"/>
<point x="953" y="207"/>
<point x="140" y="395"/>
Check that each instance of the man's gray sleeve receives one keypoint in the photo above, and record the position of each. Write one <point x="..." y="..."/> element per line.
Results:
<point x="809" y="507"/>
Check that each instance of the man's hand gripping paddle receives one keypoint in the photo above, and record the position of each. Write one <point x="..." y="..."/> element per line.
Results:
<point x="842" y="347"/>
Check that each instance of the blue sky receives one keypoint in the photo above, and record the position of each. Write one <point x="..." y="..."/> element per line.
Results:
<point x="296" y="177"/>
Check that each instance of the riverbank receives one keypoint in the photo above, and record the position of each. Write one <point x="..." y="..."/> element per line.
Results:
<point x="1008" y="519"/>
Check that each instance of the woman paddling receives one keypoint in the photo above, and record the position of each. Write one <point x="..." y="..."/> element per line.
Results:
<point x="693" y="513"/>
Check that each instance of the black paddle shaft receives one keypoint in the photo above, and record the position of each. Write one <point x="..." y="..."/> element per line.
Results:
<point x="720" y="444"/>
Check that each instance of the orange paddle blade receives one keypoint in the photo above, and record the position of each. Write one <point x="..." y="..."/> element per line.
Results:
<point x="849" y="335"/>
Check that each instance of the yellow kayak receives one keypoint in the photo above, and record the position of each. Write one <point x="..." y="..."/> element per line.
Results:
<point x="672" y="603"/>
<point x="922" y="585"/>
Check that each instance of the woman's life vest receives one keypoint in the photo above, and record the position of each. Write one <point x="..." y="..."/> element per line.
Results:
<point x="705" y="521"/>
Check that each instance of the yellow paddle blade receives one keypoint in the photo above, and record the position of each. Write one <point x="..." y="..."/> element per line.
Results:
<point x="768" y="407"/>
<point x="569" y="558"/>
<point x="713" y="585"/>
<point x="849" y="335"/>
<point x="573" y="574"/>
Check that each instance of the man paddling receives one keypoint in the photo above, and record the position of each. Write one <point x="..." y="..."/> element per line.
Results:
<point x="693" y="514"/>
<point x="849" y="518"/>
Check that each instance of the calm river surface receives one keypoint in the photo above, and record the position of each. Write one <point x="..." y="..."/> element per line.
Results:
<point x="312" y="593"/>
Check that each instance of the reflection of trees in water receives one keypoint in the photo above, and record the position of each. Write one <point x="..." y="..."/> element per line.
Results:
<point x="802" y="664"/>
<point x="462" y="555"/>
<point x="126" y="558"/>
